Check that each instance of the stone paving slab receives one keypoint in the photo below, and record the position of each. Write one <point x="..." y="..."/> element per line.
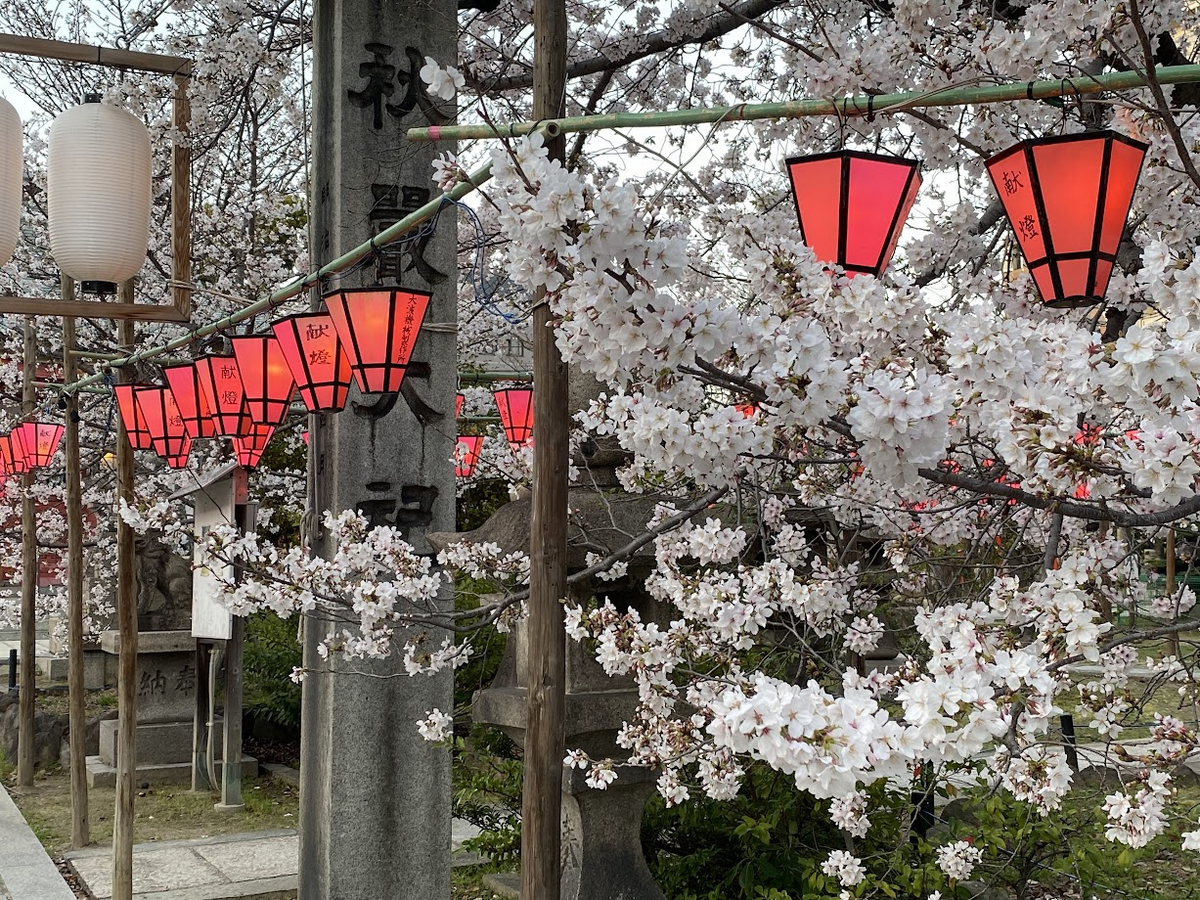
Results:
<point x="26" y="870"/>
<point x="259" y="864"/>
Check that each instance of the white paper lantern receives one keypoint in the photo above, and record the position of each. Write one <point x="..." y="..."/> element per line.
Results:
<point x="98" y="181"/>
<point x="12" y="171"/>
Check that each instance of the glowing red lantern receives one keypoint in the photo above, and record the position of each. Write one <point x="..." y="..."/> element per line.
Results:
<point x="316" y="359"/>
<point x="515" y="406"/>
<point x="1067" y="199"/>
<point x="168" y="432"/>
<point x="466" y="454"/>
<point x="266" y="379"/>
<point x="14" y="461"/>
<point x="184" y="382"/>
<point x="249" y="447"/>
<point x="852" y="206"/>
<point x="38" y="442"/>
<point x="221" y="385"/>
<point x="459" y="400"/>
<point x="378" y="328"/>
<point x="136" y="430"/>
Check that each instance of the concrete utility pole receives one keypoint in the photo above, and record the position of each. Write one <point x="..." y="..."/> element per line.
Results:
<point x="375" y="798"/>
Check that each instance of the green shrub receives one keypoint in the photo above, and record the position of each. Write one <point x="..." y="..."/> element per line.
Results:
<point x="271" y="652"/>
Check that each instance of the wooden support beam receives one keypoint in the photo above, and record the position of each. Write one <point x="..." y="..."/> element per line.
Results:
<point x="122" y="855"/>
<point x="113" y="57"/>
<point x="545" y="672"/>
<point x="90" y="309"/>
<point x="77" y="715"/>
<point x="29" y="581"/>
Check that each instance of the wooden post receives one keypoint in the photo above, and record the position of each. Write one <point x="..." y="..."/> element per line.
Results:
<point x="75" y="686"/>
<point x="181" y="201"/>
<point x="231" y="752"/>
<point x="1173" y="639"/>
<point x="122" y="864"/>
<point x="545" y="675"/>
<point x="29" y="582"/>
<point x="203" y="712"/>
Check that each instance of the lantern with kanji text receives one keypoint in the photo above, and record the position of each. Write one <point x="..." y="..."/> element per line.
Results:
<point x="378" y="328"/>
<point x="1067" y="199"/>
<point x="314" y="354"/>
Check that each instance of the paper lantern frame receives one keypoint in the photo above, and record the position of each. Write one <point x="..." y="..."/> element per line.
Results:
<point x="378" y="328"/>
<point x="10" y="453"/>
<point x="852" y="205"/>
<point x="317" y="360"/>
<point x="267" y="381"/>
<point x="250" y="447"/>
<point x="184" y="382"/>
<point x="1067" y="199"/>
<point x="515" y="406"/>
<point x="38" y="442"/>
<point x="168" y="431"/>
<point x="137" y="429"/>
<point x="221" y="385"/>
<point x="466" y="454"/>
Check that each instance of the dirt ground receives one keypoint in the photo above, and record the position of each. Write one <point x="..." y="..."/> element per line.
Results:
<point x="162" y="812"/>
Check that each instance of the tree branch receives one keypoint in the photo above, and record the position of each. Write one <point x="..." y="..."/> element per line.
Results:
<point x="649" y="45"/>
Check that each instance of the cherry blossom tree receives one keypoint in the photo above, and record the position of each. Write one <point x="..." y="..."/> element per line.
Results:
<point x="931" y="457"/>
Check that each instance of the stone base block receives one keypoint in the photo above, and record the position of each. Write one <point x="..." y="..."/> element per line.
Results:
<point x="100" y="774"/>
<point x="52" y="667"/>
<point x="96" y="674"/>
<point x="163" y="743"/>
<point x="506" y="884"/>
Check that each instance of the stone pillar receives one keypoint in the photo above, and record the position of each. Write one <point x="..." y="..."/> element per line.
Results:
<point x="375" y="798"/>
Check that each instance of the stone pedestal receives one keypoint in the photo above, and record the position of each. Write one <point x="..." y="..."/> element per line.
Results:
<point x="166" y="692"/>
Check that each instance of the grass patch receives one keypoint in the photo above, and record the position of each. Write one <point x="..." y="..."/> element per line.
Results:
<point x="161" y="813"/>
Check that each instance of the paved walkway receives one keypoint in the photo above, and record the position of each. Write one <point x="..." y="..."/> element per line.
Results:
<point x="262" y="865"/>
<point x="26" y="871"/>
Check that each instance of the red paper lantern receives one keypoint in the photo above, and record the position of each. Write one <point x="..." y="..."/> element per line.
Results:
<point x="852" y="206"/>
<point x="137" y="432"/>
<point x="184" y="382"/>
<point x="249" y="447"/>
<point x="38" y="442"/>
<point x="1067" y="199"/>
<point x="266" y="379"/>
<point x="14" y="461"/>
<point x="168" y="432"/>
<point x="515" y="406"/>
<point x="13" y="457"/>
<point x="466" y="454"/>
<point x="378" y="328"/>
<point x="316" y="359"/>
<point x="459" y="400"/>
<point x="221" y="386"/>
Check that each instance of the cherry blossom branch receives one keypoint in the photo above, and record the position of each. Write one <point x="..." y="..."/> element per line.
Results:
<point x="658" y="42"/>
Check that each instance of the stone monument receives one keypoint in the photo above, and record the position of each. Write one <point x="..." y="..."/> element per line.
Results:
<point x="166" y="675"/>
<point x="375" y="797"/>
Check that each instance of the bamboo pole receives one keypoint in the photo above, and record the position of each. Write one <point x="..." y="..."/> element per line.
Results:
<point x="75" y="687"/>
<point x="122" y="856"/>
<point x="29" y="581"/>
<point x="846" y="107"/>
<point x="545" y="663"/>
<point x="393" y="233"/>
